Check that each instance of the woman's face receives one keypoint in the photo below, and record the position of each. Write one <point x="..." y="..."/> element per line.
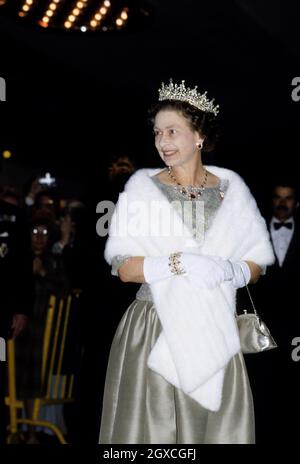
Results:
<point x="39" y="239"/>
<point x="175" y="141"/>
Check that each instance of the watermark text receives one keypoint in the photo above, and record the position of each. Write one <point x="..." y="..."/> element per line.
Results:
<point x="2" y="349"/>
<point x="2" y="89"/>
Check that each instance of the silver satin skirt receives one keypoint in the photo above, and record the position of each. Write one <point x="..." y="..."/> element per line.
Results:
<point x="141" y="407"/>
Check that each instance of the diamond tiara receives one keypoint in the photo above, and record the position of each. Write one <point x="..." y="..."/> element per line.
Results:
<point x="185" y="94"/>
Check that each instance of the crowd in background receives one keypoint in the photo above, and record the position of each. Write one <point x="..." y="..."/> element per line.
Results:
<point x="53" y="235"/>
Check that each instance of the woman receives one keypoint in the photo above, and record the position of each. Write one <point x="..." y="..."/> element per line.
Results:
<point x="191" y="235"/>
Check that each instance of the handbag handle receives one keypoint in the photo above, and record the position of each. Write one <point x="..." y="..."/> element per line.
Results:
<point x="252" y="303"/>
<point x="248" y="291"/>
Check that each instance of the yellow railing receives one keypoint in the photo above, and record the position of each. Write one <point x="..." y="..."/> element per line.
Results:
<point x="59" y="389"/>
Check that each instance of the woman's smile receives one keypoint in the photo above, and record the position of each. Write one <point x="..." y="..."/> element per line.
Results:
<point x="168" y="153"/>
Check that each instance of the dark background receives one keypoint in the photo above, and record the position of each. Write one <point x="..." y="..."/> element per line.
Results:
<point x="75" y="101"/>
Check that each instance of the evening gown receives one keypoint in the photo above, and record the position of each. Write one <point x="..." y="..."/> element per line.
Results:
<point x="139" y="405"/>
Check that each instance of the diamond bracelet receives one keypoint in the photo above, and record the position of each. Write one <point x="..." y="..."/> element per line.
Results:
<point x="175" y="264"/>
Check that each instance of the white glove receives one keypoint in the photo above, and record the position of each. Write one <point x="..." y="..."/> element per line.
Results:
<point x="211" y="271"/>
<point x="241" y="274"/>
<point x="156" y="268"/>
<point x="203" y="271"/>
<point x="206" y="271"/>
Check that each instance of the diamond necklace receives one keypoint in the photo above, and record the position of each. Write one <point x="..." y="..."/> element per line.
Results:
<point x="189" y="190"/>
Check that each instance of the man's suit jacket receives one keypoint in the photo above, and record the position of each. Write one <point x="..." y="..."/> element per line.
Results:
<point x="289" y="269"/>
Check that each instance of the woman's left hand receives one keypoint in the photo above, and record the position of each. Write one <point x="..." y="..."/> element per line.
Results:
<point x="206" y="271"/>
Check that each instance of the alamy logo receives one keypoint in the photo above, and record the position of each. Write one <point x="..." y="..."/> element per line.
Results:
<point x="296" y="90"/>
<point x="296" y="351"/>
<point x="2" y="89"/>
<point x="2" y="349"/>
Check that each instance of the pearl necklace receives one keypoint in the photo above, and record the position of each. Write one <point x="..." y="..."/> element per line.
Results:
<point x="188" y="191"/>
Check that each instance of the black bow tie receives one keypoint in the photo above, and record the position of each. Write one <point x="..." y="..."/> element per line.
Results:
<point x="278" y="225"/>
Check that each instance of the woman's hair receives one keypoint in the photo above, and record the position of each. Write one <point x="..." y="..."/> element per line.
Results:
<point x="203" y="122"/>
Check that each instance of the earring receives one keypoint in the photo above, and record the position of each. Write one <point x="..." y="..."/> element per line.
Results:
<point x="199" y="145"/>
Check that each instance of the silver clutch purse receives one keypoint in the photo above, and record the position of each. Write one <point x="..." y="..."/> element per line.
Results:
<point x="254" y="334"/>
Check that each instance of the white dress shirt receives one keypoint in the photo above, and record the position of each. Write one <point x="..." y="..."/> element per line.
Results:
<point x="281" y="238"/>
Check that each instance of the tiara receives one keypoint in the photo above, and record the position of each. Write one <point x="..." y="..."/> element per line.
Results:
<point x="185" y="94"/>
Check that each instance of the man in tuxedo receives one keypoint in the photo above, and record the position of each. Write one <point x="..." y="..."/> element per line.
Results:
<point x="275" y="375"/>
<point x="282" y="279"/>
<point x="16" y="280"/>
